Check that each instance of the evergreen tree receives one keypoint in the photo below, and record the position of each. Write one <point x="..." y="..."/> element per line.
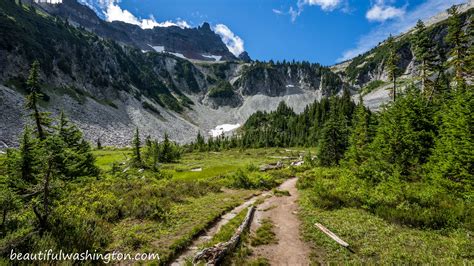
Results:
<point x="9" y="201"/>
<point x="137" y="160"/>
<point x="53" y="156"/>
<point x="78" y="158"/>
<point x="155" y="153"/>
<point x="333" y="140"/>
<point x="470" y="52"/>
<point x="200" y="143"/>
<point x="452" y="162"/>
<point x="458" y="40"/>
<point x="347" y="105"/>
<point x="425" y="54"/>
<point x="41" y="119"/>
<point x="68" y="132"/>
<point x="392" y="65"/>
<point x="403" y="140"/>
<point x="99" y="144"/>
<point x="166" y="151"/>
<point x="360" y="137"/>
<point x="442" y="82"/>
<point x="27" y="157"/>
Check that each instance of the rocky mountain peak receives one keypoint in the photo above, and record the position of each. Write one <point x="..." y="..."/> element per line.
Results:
<point x="205" y="26"/>
<point x="244" y="56"/>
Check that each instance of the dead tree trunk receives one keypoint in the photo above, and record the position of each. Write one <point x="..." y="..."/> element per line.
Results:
<point x="215" y="254"/>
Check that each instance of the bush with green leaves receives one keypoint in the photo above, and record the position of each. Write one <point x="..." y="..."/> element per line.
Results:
<point x="251" y="180"/>
<point x="416" y="204"/>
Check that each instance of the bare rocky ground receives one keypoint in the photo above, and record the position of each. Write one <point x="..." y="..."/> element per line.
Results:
<point x="115" y="125"/>
<point x="283" y="212"/>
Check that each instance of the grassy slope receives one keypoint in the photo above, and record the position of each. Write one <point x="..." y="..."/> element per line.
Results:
<point x="378" y="241"/>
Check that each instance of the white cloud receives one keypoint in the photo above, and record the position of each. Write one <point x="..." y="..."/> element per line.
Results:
<point x="397" y="26"/>
<point x="294" y="13"/>
<point x="111" y="11"/>
<point x="326" y="5"/>
<point x="233" y="42"/>
<point x="116" y="13"/>
<point x="151" y="23"/>
<point x="278" y="12"/>
<point x="381" y="12"/>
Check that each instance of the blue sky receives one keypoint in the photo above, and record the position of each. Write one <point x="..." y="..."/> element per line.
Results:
<point x="324" y="31"/>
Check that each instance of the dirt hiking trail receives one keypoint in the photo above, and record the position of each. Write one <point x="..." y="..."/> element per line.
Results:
<point x="282" y="211"/>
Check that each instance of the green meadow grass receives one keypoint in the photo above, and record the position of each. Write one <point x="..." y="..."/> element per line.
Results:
<point x="377" y="241"/>
<point x="213" y="164"/>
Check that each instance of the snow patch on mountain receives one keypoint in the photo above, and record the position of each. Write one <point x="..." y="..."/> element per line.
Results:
<point x="180" y="55"/>
<point x="215" y="57"/>
<point x="221" y="129"/>
<point x="159" y="49"/>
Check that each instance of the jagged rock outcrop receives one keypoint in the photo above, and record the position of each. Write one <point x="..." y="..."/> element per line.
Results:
<point x="244" y="56"/>
<point x="285" y="79"/>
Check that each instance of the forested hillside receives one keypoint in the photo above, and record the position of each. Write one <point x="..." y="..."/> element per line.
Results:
<point x="372" y="65"/>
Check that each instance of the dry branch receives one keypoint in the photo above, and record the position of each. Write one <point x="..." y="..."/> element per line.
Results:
<point x="213" y="255"/>
<point x="333" y="236"/>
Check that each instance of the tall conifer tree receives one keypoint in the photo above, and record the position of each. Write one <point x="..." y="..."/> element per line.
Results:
<point x="392" y="65"/>
<point x="458" y="40"/>
<point x="425" y="54"/>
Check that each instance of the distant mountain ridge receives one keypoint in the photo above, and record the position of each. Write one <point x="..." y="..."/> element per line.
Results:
<point x="192" y="43"/>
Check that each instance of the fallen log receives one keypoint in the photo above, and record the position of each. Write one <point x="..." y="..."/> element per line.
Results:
<point x="274" y="166"/>
<point x="214" y="255"/>
<point x="297" y="163"/>
<point x="334" y="237"/>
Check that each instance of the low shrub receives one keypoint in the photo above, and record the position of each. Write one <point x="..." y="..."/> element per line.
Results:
<point x="419" y="204"/>
<point x="223" y="89"/>
<point x="252" y="180"/>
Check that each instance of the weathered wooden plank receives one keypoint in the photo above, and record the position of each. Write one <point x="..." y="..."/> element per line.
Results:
<point x="332" y="235"/>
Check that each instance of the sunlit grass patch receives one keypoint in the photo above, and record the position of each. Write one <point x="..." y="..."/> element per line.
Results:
<point x="265" y="234"/>
<point x="227" y="230"/>
<point x="378" y="241"/>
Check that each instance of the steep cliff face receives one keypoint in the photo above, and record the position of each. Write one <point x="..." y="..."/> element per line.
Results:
<point x="285" y="78"/>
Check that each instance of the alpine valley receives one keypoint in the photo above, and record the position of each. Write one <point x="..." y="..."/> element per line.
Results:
<point x="158" y="143"/>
